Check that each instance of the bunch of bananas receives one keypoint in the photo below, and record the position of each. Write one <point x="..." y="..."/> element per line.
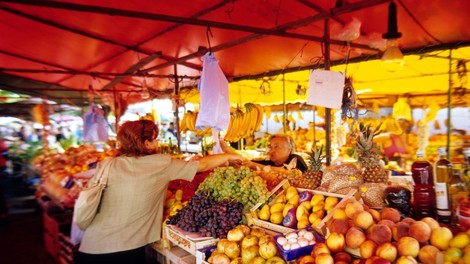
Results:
<point x="244" y="122"/>
<point x="188" y="123"/>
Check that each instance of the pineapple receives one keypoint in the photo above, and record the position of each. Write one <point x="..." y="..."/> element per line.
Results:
<point x="311" y="178"/>
<point x="369" y="155"/>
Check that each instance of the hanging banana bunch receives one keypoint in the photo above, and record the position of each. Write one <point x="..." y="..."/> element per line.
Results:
<point x="267" y="111"/>
<point x="244" y="121"/>
<point x="299" y="115"/>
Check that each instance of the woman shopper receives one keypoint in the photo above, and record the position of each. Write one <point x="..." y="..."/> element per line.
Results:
<point x="131" y="209"/>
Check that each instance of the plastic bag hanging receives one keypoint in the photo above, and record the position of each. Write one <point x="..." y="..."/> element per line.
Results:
<point x="214" y="111"/>
<point x="95" y="126"/>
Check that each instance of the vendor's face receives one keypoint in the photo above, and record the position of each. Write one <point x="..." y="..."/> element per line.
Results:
<point x="278" y="150"/>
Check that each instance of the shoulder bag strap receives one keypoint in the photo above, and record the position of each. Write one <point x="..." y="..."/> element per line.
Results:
<point x="103" y="177"/>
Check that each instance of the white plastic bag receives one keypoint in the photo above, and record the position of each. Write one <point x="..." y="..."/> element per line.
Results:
<point x="76" y="234"/>
<point x="95" y="126"/>
<point x="214" y="108"/>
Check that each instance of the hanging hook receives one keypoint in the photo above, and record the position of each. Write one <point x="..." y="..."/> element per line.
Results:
<point x="208" y="39"/>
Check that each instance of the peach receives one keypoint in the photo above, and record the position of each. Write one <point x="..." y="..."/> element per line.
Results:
<point x="427" y="254"/>
<point x="363" y="219"/>
<point x="387" y="222"/>
<point x="352" y="207"/>
<point x="440" y="237"/>
<point x="377" y="260"/>
<point x="431" y="222"/>
<point x="342" y="256"/>
<point x="320" y="247"/>
<point x="400" y="230"/>
<point x="420" y="230"/>
<point x="336" y="242"/>
<point x="355" y="237"/>
<point x="406" y="260"/>
<point x="380" y="233"/>
<point x="367" y="249"/>
<point x="408" y="220"/>
<point x="306" y="259"/>
<point x="408" y="246"/>
<point x="338" y="226"/>
<point x="324" y="258"/>
<point x="375" y="214"/>
<point x="387" y="251"/>
<point x="391" y="214"/>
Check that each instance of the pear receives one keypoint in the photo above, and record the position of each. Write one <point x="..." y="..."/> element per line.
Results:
<point x="264" y="213"/>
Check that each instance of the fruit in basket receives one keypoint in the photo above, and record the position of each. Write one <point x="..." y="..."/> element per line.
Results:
<point x="221" y="245"/>
<point x="324" y="258"/>
<point x="380" y="233"/>
<point x="249" y="253"/>
<point x="257" y="232"/>
<point x="369" y="155"/>
<point x="367" y="249"/>
<point x="275" y="260"/>
<point x="311" y="178"/>
<point x="352" y="207"/>
<point x="286" y="209"/>
<point x="232" y="249"/>
<point x="427" y="254"/>
<point x="291" y="192"/>
<point x="461" y="240"/>
<point x="331" y="202"/>
<point x="420" y="230"/>
<point x="355" y="237"/>
<point x="276" y="218"/>
<point x="320" y="247"/>
<point x="408" y="246"/>
<point x="264" y="213"/>
<point x="432" y="223"/>
<point x="277" y="207"/>
<point x="336" y="242"/>
<point x="221" y="259"/>
<point x="257" y="260"/>
<point x="401" y="229"/>
<point x="387" y="251"/>
<point x="406" y="260"/>
<point x="268" y="249"/>
<point x="391" y="214"/>
<point x="294" y="200"/>
<point x="440" y="237"/>
<point x="246" y="229"/>
<point x="317" y="198"/>
<point x="305" y="196"/>
<point x="363" y="220"/>
<point x="235" y="234"/>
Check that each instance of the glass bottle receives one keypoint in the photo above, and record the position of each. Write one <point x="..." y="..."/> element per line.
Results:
<point x="442" y="176"/>
<point x="424" y="197"/>
<point x="457" y="189"/>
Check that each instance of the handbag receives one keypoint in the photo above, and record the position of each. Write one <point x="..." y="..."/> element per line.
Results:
<point x="89" y="199"/>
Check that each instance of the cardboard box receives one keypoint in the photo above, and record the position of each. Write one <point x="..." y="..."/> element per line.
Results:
<point x="188" y="243"/>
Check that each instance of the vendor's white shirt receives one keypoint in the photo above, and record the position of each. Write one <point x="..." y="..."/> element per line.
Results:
<point x="131" y="209"/>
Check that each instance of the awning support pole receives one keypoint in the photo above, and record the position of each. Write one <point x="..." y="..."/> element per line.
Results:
<point x="449" y="105"/>
<point x="177" y="103"/>
<point x="327" y="110"/>
<point x="284" y="107"/>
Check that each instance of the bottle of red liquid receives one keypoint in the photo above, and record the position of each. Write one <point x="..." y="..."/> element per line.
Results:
<point x="424" y="196"/>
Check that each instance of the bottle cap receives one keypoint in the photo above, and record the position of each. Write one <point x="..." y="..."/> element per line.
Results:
<point x="420" y="154"/>
<point x="442" y="151"/>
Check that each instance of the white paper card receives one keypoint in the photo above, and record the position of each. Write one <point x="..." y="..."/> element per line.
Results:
<point x="325" y="88"/>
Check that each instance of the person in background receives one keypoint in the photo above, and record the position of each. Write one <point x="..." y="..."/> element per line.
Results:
<point x="280" y="151"/>
<point x="21" y="135"/>
<point x="3" y="167"/>
<point x="394" y="140"/>
<point x="131" y="209"/>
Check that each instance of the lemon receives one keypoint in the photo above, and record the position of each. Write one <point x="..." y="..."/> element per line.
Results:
<point x="461" y="240"/>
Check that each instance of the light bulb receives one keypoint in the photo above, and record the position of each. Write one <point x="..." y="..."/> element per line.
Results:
<point x="392" y="59"/>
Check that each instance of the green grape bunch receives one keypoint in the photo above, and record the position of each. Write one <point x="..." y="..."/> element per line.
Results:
<point x="236" y="184"/>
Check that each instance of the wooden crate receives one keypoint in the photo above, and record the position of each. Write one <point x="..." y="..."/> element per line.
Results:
<point x="191" y="245"/>
<point x="320" y="228"/>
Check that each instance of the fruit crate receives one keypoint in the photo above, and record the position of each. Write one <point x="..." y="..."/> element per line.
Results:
<point x="278" y="190"/>
<point x="204" y="253"/>
<point x="178" y="255"/>
<point x="188" y="241"/>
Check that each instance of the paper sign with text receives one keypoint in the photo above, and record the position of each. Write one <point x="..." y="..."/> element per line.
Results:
<point x="325" y="88"/>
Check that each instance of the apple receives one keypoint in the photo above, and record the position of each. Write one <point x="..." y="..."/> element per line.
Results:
<point x="249" y="241"/>
<point x="232" y="250"/>
<point x="268" y="250"/>
<point x="249" y="253"/>
<point x="324" y="258"/>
